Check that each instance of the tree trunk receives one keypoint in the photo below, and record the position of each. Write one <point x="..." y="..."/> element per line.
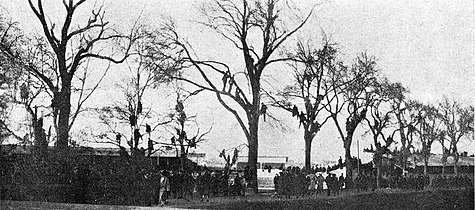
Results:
<point x="403" y="142"/>
<point x="456" y="160"/>
<point x="349" y="166"/>
<point x="253" y="113"/>
<point x="426" y="163"/>
<point x="378" y="176"/>
<point x="443" y="167"/>
<point x="308" y="149"/>
<point x="64" y="106"/>
<point x="253" y="152"/>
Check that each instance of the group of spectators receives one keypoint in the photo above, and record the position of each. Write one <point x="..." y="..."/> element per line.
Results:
<point x="197" y="184"/>
<point x="365" y="181"/>
<point x="206" y="183"/>
<point x="296" y="182"/>
<point x="290" y="182"/>
<point x="456" y="181"/>
<point x="411" y="182"/>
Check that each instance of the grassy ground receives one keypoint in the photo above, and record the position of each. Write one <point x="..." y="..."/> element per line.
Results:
<point x="380" y="199"/>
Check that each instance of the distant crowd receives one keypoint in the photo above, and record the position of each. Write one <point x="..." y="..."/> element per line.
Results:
<point x="292" y="181"/>
<point x="456" y="181"/>
<point x="296" y="182"/>
<point x="197" y="184"/>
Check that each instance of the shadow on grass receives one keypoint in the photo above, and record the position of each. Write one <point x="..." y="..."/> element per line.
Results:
<point x="428" y="199"/>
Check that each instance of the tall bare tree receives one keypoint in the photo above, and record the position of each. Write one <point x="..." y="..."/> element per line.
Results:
<point x="458" y="121"/>
<point x="17" y="87"/>
<point x="10" y="75"/>
<point x="67" y="49"/>
<point x="134" y="111"/>
<point x="312" y="69"/>
<point x="181" y="140"/>
<point x="379" y="121"/>
<point x="352" y="92"/>
<point x="429" y="130"/>
<point x="407" y="116"/>
<point x="257" y="29"/>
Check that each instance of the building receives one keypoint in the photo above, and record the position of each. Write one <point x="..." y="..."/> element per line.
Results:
<point x="264" y="162"/>
<point x="465" y="165"/>
<point x="267" y="168"/>
<point x="167" y="160"/>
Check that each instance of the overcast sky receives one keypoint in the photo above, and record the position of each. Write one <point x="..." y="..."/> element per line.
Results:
<point x="425" y="45"/>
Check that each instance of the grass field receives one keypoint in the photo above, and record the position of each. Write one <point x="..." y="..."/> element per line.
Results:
<point x="380" y="199"/>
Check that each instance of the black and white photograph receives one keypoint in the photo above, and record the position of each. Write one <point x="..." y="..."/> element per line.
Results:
<point x="237" y="104"/>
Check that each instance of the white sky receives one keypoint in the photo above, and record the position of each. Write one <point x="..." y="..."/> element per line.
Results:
<point x="425" y="45"/>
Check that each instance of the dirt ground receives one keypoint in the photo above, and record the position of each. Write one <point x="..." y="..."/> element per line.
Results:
<point x="380" y="199"/>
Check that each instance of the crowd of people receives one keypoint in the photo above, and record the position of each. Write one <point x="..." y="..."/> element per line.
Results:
<point x="456" y="181"/>
<point x="200" y="184"/>
<point x="296" y="182"/>
<point x="411" y="182"/>
<point x="290" y="182"/>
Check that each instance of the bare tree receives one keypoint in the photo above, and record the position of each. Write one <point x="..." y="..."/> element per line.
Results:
<point x="16" y="86"/>
<point x="406" y="112"/>
<point x="181" y="139"/>
<point x="132" y="112"/>
<point x="458" y="122"/>
<point x="380" y="121"/>
<point x="312" y="70"/>
<point x="351" y="91"/>
<point x="429" y="130"/>
<point x="10" y="76"/>
<point x="66" y="49"/>
<point x="256" y="29"/>
<point x="230" y="161"/>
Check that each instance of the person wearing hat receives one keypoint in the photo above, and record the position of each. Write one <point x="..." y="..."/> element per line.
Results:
<point x="164" y="188"/>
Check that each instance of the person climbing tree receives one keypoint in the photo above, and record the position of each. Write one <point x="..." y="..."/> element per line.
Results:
<point x="24" y="92"/>
<point x="179" y="106"/>
<point x="231" y="83"/>
<point x="139" y="107"/>
<point x="137" y="137"/>
<point x="225" y="79"/>
<point x="148" y="130"/>
<point x="295" y="111"/>
<point x="132" y="120"/>
<point x="302" y="118"/>
<point x="263" y="110"/>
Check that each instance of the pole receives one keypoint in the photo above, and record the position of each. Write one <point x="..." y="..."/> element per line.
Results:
<point x="358" y="161"/>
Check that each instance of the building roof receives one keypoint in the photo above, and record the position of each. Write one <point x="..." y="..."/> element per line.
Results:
<point x="436" y="160"/>
<point x="13" y="149"/>
<point x="267" y="159"/>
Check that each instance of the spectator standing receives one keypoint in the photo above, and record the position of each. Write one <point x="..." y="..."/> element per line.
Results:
<point x="204" y="185"/>
<point x="341" y="182"/>
<point x="164" y="188"/>
<point x="312" y="179"/>
<point x="329" y="182"/>
<point x="320" y="181"/>
<point x="334" y="185"/>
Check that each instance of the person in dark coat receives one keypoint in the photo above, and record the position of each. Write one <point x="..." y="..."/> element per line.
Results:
<point x="335" y="186"/>
<point x="329" y="182"/>
<point x="164" y="188"/>
<point x="154" y="178"/>
<point x="341" y="183"/>
<point x="204" y="185"/>
<point x="320" y="181"/>
<point x="81" y="183"/>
